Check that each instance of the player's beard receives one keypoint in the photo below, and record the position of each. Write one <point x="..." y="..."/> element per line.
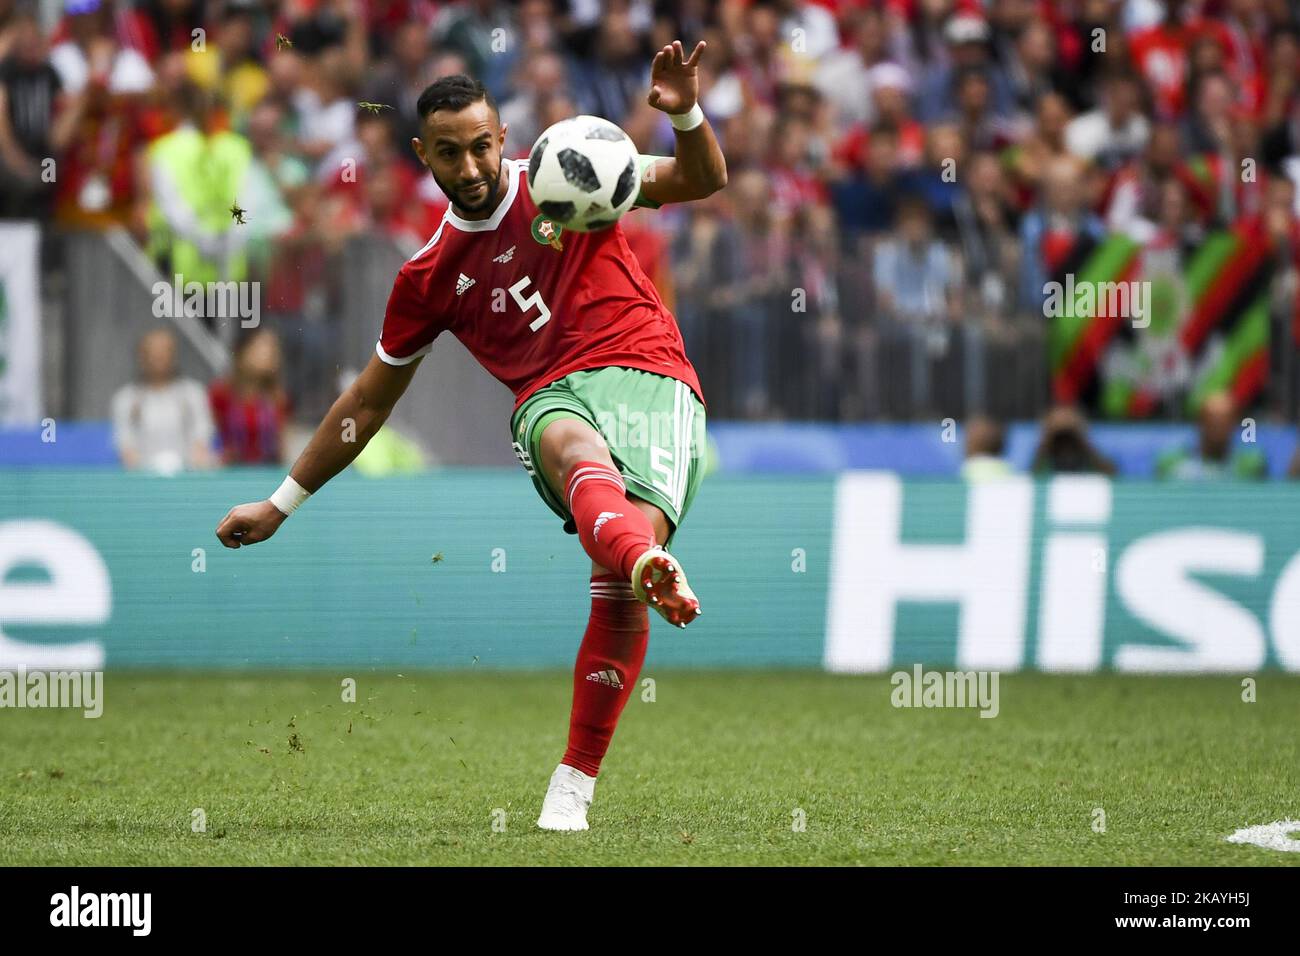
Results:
<point x="488" y="201"/>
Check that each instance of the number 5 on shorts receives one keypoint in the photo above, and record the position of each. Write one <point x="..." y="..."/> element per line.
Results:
<point x="661" y="467"/>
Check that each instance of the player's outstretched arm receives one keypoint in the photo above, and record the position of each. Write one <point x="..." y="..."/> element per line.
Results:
<point x="698" y="168"/>
<point x="353" y="420"/>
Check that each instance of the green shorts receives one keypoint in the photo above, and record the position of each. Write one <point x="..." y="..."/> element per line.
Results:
<point x="654" y="426"/>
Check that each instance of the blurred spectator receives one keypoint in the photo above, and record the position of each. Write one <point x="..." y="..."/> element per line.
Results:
<point x="1116" y="131"/>
<point x="96" y="181"/>
<point x="984" y="220"/>
<point x="1137" y="201"/>
<point x="917" y="288"/>
<point x="967" y="37"/>
<point x="250" y="406"/>
<point x="793" y="183"/>
<point x="300" y="291"/>
<point x="867" y="198"/>
<point x="1050" y="233"/>
<point x="197" y="176"/>
<point x="162" y="422"/>
<point x="914" y="273"/>
<point x="92" y="52"/>
<point x="1064" y="448"/>
<point x="986" y="442"/>
<point x="974" y="115"/>
<point x="371" y="143"/>
<point x="1027" y="160"/>
<point x="813" y="326"/>
<point x="1214" y="458"/>
<point x="1280" y="114"/>
<point x="166" y="26"/>
<point x="615" y="77"/>
<point x="389" y="210"/>
<point x="285" y="68"/>
<point x="891" y="92"/>
<point x="325" y="106"/>
<point x="31" y="131"/>
<point x="1209" y="126"/>
<point x="398" y="81"/>
<point x="919" y="28"/>
<point x="1159" y="52"/>
<point x="760" y="57"/>
<point x="937" y="182"/>
<point x="483" y="33"/>
<point x="8" y="21"/>
<point x="844" y="76"/>
<point x="1242" y="36"/>
<point x="230" y="64"/>
<point x="751" y="287"/>
<point x="542" y="76"/>
<point x="810" y="28"/>
<point x="276" y="171"/>
<point x="701" y="255"/>
<point x="1033" y="67"/>
<point x="314" y="28"/>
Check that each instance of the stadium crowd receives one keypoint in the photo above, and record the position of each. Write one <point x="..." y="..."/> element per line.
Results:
<point x="906" y="177"/>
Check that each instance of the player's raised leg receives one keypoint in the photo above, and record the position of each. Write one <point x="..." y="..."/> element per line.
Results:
<point x="615" y="534"/>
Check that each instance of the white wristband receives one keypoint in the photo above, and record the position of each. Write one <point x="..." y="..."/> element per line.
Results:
<point x="289" y="496"/>
<point x="687" y="121"/>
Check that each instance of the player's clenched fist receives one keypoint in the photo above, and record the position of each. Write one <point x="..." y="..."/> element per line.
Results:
<point x="249" y="524"/>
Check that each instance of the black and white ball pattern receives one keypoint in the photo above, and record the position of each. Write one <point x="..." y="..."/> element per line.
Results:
<point x="582" y="173"/>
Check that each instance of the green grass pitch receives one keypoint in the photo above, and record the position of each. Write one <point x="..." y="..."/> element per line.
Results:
<point x="712" y="771"/>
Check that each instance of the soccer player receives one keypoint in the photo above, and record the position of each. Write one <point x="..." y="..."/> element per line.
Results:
<point x="585" y="344"/>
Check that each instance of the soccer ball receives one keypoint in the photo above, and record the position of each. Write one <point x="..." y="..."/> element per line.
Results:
<point x="582" y="173"/>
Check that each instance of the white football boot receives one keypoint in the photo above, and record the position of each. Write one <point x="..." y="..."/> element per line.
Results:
<point x="567" y="798"/>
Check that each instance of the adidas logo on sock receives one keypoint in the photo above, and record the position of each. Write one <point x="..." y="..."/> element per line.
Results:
<point x="609" y="678"/>
<point x="601" y="519"/>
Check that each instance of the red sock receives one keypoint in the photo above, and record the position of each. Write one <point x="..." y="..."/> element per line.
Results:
<point x="608" y="664"/>
<point x="613" y="531"/>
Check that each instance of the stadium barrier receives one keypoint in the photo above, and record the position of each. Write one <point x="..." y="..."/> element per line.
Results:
<point x="110" y="301"/>
<point x="465" y="568"/>
<point x="743" y="448"/>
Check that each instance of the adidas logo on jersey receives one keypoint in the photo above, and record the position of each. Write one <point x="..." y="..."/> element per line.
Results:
<point x="505" y="256"/>
<point x="463" y="283"/>
<point x="609" y="678"/>
<point x="601" y="519"/>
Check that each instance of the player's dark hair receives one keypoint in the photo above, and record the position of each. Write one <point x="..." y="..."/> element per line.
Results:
<point x="453" y="93"/>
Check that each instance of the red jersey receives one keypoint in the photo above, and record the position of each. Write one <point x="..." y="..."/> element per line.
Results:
<point x="249" y="426"/>
<point x="531" y="314"/>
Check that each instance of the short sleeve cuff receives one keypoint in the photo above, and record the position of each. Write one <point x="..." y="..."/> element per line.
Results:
<point x="400" y="360"/>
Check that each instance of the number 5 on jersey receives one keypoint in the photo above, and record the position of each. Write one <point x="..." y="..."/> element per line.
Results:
<point x="526" y="304"/>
